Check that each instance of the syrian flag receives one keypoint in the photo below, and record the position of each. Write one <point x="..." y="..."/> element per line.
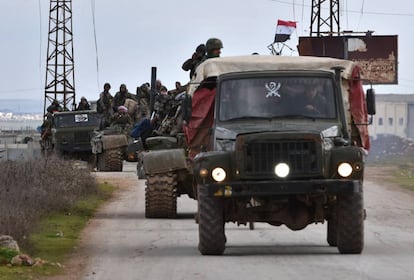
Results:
<point x="283" y="30"/>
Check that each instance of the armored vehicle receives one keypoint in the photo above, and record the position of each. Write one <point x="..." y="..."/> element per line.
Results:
<point x="280" y="140"/>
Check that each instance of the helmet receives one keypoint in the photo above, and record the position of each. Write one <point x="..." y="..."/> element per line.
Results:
<point x="213" y="43"/>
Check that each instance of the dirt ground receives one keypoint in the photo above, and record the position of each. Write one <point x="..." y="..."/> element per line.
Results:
<point x="375" y="198"/>
<point x="77" y="260"/>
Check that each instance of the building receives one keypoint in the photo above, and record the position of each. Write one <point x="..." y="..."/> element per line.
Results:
<point x="394" y="115"/>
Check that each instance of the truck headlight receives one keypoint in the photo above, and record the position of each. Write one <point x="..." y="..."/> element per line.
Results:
<point x="345" y="169"/>
<point x="282" y="170"/>
<point x="218" y="174"/>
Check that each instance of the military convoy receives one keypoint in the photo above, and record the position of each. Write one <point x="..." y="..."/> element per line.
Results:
<point x="80" y="135"/>
<point x="260" y="147"/>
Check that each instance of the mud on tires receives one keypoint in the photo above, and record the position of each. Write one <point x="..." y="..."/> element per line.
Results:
<point x="110" y="160"/>
<point x="350" y="225"/>
<point x="212" y="239"/>
<point x="161" y="196"/>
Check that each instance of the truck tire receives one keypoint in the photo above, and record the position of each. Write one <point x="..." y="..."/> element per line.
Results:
<point x="161" y="196"/>
<point x="350" y="226"/>
<point x="110" y="160"/>
<point x="212" y="239"/>
<point x="332" y="232"/>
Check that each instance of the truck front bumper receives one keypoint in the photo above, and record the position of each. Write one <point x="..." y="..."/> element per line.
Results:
<point x="273" y="188"/>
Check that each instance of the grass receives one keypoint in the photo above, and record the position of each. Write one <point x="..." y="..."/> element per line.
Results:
<point x="403" y="175"/>
<point x="56" y="237"/>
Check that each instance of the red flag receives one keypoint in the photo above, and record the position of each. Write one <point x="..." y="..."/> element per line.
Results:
<point x="283" y="30"/>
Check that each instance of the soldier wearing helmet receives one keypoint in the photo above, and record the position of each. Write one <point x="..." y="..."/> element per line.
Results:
<point x="213" y="47"/>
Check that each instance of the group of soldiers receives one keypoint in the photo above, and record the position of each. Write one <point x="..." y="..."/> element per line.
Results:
<point x="126" y="110"/>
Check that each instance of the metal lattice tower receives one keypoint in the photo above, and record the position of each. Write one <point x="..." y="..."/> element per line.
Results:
<point x="324" y="18"/>
<point x="60" y="76"/>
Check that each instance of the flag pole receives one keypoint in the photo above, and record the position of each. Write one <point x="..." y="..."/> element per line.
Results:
<point x="274" y="51"/>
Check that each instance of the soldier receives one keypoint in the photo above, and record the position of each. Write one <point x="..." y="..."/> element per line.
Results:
<point x="143" y="92"/>
<point x="83" y="104"/>
<point x="121" y="96"/>
<point x="195" y="60"/>
<point x="122" y="119"/>
<point x="104" y="104"/>
<point x="315" y="102"/>
<point x="213" y="48"/>
<point x="54" y="107"/>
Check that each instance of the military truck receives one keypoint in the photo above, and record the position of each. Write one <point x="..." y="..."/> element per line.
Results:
<point x="111" y="147"/>
<point x="72" y="132"/>
<point x="264" y="147"/>
<point x="80" y="135"/>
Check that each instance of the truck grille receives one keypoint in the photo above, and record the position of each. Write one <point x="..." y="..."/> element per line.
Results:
<point x="82" y="137"/>
<point x="300" y="155"/>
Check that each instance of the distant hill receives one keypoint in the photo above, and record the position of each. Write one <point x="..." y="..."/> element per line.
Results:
<point x="21" y="106"/>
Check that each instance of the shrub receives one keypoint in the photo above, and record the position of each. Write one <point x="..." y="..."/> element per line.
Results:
<point x="32" y="189"/>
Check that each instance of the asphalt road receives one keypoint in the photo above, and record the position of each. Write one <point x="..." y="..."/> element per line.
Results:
<point x="120" y="243"/>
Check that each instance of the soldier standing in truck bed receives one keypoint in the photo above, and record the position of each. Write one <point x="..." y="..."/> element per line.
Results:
<point x="121" y="96"/>
<point x="104" y="104"/>
<point x="197" y="57"/>
<point x="83" y="104"/>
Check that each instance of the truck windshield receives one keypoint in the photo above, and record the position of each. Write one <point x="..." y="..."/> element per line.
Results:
<point x="77" y="120"/>
<point x="277" y="97"/>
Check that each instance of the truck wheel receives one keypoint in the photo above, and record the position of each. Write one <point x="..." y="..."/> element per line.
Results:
<point x="161" y="196"/>
<point x="110" y="160"/>
<point x="212" y="239"/>
<point x="332" y="233"/>
<point x="350" y="226"/>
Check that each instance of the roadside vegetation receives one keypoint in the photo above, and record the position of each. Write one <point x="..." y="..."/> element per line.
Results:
<point x="396" y="156"/>
<point x="44" y="205"/>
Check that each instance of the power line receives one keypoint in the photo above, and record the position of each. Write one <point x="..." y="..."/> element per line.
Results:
<point x="96" y="42"/>
<point x="40" y="42"/>
<point x="356" y="12"/>
<point x="362" y="14"/>
<point x="18" y="90"/>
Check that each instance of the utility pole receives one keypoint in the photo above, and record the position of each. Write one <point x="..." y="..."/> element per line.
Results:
<point x="60" y="76"/>
<point x="324" y="18"/>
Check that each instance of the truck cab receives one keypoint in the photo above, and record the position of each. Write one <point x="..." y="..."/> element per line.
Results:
<point x="280" y="140"/>
<point x="72" y="131"/>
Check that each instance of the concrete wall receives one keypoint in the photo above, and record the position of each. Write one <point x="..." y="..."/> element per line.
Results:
<point x="14" y="152"/>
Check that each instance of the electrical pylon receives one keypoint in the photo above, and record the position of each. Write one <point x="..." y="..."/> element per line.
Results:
<point x="324" y="18"/>
<point x="60" y="75"/>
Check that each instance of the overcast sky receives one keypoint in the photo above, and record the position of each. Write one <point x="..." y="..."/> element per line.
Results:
<point x="133" y="36"/>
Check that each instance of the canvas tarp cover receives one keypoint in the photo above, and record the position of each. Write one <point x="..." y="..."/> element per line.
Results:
<point x="358" y="108"/>
<point x="215" y="67"/>
<point x="198" y="129"/>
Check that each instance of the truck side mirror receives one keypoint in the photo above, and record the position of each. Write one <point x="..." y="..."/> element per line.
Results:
<point x="187" y="107"/>
<point x="370" y="101"/>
